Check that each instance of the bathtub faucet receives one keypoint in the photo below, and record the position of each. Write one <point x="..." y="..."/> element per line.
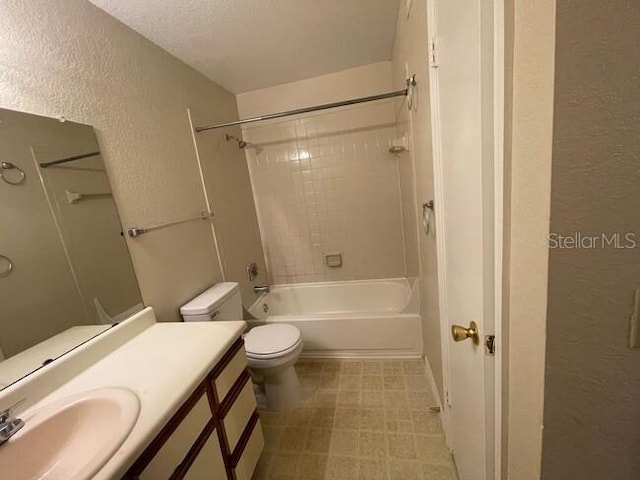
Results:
<point x="261" y="289"/>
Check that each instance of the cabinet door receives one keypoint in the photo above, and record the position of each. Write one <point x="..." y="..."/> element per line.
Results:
<point x="209" y="464"/>
<point x="172" y="453"/>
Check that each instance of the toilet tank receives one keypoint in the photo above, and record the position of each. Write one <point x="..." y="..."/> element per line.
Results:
<point x="220" y="302"/>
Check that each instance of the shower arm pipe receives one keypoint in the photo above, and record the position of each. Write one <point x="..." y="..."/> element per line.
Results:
<point x="411" y="82"/>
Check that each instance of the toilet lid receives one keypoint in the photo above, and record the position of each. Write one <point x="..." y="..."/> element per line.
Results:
<point x="270" y="339"/>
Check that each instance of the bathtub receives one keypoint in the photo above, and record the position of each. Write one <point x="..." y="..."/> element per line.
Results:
<point x="341" y="319"/>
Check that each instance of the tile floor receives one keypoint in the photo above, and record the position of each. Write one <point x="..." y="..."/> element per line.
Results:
<point x="366" y="419"/>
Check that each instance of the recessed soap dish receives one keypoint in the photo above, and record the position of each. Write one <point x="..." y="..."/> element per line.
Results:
<point x="333" y="260"/>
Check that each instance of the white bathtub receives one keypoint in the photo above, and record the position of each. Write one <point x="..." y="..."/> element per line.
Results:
<point x="355" y="318"/>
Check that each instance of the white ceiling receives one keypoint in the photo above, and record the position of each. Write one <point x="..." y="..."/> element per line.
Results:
<point x="249" y="44"/>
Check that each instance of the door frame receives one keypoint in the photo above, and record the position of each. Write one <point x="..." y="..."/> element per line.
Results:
<point x="495" y="411"/>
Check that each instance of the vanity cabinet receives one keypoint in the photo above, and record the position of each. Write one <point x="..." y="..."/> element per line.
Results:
<point x="215" y="435"/>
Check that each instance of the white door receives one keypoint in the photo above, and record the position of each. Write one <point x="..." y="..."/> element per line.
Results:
<point x="462" y="103"/>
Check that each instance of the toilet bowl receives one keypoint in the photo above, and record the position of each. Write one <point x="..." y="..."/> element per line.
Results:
<point x="271" y="350"/>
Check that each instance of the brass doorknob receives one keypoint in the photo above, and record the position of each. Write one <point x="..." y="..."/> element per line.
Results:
<point x="461" y="333"/>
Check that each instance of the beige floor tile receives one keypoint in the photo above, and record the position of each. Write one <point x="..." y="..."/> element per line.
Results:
<point x="402" y="445"/>
<point x="273" y="418"/>
<point x="350" y="382"/>
<point x="325" y="398"/>
<point x="344" y="442"/>
<point x="310" y="381"/>
<point x="395" y="399"/>
<point x="393" y="382"/>
<point x="398" y="420"/>
<point x="331" y="366"/>
<point x="432" y="449"/>
<point x="322" y="417"/>
<point x="373" y="469"/>
<point x="318" y="440"/>
<point x="349" y="398"/>
<point x="421" y="400"/>
<point x="329" y="381"/>
<point x="372" y="444"/>
<point x="426" y="422"/>
<point x="437" y="472"/>
<point x="272" y="436"/>
<point x="372" y="419"/>
<point x="354" y="425"/>
<point x="371" y="382"/>
<point x="392" y="367"/>
<point x="352" y="367"/>
<point x="404" y="469"/>
<point x="341" y="468"/>
<point x="299" y="418"/>
<point x="372" y="367"/>
<point x="416" y="383"/>
<point x="346" y="418"/>
<point x="284" y="466"/>
<point x="312" y="466"/>
<point x="372" y="399"/>
<point x="413" y="367"/>
<point x="293" y="439"/>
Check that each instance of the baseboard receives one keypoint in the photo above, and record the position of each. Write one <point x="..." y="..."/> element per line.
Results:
<point x="355" y="354"/>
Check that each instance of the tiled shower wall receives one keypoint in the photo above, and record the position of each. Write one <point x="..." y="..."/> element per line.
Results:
<point x="326" y="183"/>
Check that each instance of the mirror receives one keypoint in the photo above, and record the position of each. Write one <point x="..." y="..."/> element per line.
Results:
<point x="65" y="271"/>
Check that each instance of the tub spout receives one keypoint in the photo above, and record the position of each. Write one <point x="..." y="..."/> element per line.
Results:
<point x="261" y="289"/>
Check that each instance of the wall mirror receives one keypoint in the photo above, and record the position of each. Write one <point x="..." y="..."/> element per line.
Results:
<point x="65" y="271"/>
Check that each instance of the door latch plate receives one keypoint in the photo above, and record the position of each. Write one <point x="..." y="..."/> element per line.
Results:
<point x="490" y="344"/>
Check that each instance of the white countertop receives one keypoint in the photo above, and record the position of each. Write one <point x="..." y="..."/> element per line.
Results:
<point x="162" y="365"/>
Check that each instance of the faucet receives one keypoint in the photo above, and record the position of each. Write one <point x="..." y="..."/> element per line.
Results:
<point x="261" y="289"/>
<point x="9" y="423"/>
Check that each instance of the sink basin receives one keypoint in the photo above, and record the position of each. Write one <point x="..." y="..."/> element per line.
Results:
<point x="72" y="438"/>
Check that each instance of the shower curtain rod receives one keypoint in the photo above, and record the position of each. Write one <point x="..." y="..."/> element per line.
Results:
<point x="411" y="82"/>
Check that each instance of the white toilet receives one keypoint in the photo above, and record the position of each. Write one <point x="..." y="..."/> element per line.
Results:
<point x="272" y="349"/>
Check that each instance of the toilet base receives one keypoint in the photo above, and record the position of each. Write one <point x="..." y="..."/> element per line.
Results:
<point x="282" y="389"/>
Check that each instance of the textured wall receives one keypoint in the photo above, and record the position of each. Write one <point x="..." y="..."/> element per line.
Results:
<point x="416" y="172"/>
<point x="326" y="182"/>
<point x="70" y="58"/>
<point x="592" y="384"/>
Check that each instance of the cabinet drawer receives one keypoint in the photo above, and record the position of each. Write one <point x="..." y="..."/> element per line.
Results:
<point x="171" y="454"/>
<point x="239" y="414"/>
<point x="249" y="458"/>
<point x="230" y="374"/>
<point x="209" y="464"/>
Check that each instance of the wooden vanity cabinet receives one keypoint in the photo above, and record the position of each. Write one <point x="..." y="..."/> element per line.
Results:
<point x="215" y="435"/>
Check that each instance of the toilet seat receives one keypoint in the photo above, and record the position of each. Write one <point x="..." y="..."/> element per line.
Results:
<point x="271" y="341"/>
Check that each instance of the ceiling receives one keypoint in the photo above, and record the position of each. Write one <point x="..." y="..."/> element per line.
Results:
<point x="249" y="44"/>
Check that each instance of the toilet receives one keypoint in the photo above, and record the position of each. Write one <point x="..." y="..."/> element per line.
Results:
<point x="271" y="349"/>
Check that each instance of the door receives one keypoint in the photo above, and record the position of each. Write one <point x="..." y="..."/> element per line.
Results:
<point x="462" y="119"/>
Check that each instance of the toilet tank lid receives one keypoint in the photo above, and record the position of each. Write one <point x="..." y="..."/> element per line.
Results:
<point x="210" y="299"/>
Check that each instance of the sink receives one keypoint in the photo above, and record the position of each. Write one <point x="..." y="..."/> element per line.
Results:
<point x="71" y="438"/>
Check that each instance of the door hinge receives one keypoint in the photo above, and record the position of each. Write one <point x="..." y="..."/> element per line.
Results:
<point x="490" y="344"/>
<point x="433" y="53"/>
<point x="447" y="398"/>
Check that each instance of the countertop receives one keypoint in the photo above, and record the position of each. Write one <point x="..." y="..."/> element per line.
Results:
<point x="163" y="365"/>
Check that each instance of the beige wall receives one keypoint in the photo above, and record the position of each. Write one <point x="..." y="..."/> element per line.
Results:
<point x="326" y="182"/>
<point x="70" y="58"/>
<point x="410" y="54"/>
<point x="228" y="186"/>
<point x="592" y="387"/>
<point x="531" y="112"/>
